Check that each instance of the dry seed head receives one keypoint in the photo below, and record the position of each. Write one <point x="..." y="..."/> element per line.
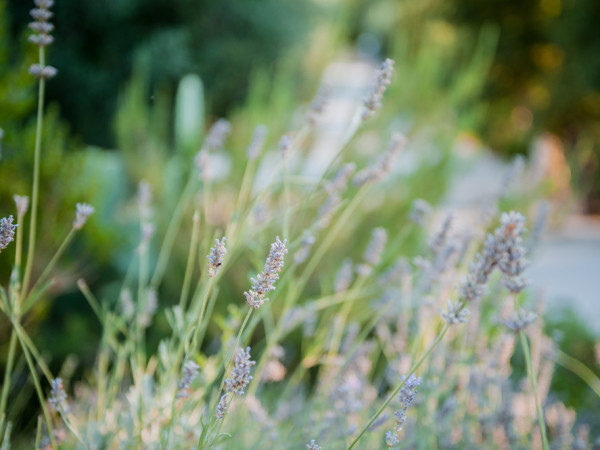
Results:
<point x="82" y="212"/>
<point x="22" y="203"/>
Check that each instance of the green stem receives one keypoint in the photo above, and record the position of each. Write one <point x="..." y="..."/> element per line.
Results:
<point x="187" y="279"/>
<point x="579" y="369"/>
<point x="55" y="258"/>
<point x="532" y="379"/>
<point x="206" y="431"/>
<point x="38" y="389"/>
<point x="171" y="234"/>
<point x="12" y="346"/>
<point x="36" y="176"/>
<point x="397" y="390"/>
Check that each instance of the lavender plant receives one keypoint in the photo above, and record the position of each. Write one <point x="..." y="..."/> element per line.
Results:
<point x="331" y="343"/>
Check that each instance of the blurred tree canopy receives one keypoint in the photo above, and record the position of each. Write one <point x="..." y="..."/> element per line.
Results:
<point x="98" y="42"/>
<point x="545" y="75"/>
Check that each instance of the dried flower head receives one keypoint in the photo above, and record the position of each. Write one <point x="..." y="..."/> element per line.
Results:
<point x="383" y="78"/>
<point x="391" y="439"/>
<point x="264" y="281"/>
<point x="455" y="313"/>
<point x="343" y="278"/>
<point x="284" y="145"/>
<point x="419" y="211"/>
<point x="58" y="397"/>
<point x="257" y="142"/>
<point x="42" y="72"/>
<point x="519" y="320"/>
<point x="41" y="27"/>
<point x="334" y="190"/>
<point x="318" y="104"/>
<point x="240" y="375"/>
<point x="202" y="163"/>
<point x="127" y="305"/>
<point x="312" y="445"/>
<point x="82" y="212"/>
<point x="216" y="136"/>
<point x="306" y="244"/>
<point x="22" y="203"/>
<point x="222" y="406"/>
<point x="503" y="250"/>
<point x="372" y="255"/>
<point x="215" y="258"/>
<point x="384" y="163"/>
<point x="406" y="397"/>
<point x="438" y="243"/>
<point x="190" y="369"/>
<point x="149" y="308"/>
<point x="7" y="232"/>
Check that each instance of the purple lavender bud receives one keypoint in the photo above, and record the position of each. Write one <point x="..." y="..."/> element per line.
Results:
<point x="7" y="232"/>
<point x="240" y="375"/>
<point x="215" y="258"/>
<point x="373" y="100"/>
<point x="264" y="281"/>
<point x="58" y="397"/>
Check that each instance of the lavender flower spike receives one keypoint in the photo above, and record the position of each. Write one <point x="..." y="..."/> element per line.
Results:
<point x="83" y="211"/>
<point x="215" y="258"/>
<point x="240" y="375"/>
<point x="7" y="232"/>
<point x="455" y="313"/>
<point x="406" y="397"/>
<point x="520" y="320"/>
<point x="190" y="369"/>
<point x="58" y="397"/>
<point x="373" y="101"/>
<point x="312" y="445"/>
<point x="222" y="407"/>
<point x="264" y="282"/>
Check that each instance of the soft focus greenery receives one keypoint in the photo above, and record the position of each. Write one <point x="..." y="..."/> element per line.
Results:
<point x="326" y="358"/>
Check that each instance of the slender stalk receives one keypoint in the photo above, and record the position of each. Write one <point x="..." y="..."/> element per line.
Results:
<point x="171" y="234"/>
<point x="55" y="258"/>
<point x="38" y="389"/>
<point x="397" y="390"/>
<point x="206" y="431"/>
<point x="187" y="279"/>
<point x="579" y="369"/>
<point x="36" y="175"/>
<point x="532" y="380"/>
<point x="12" y="346"/>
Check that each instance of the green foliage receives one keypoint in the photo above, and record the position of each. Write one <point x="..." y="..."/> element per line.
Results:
<point x="221" y="41"/>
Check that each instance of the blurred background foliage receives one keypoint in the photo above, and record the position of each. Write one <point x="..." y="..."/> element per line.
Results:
<point x="506" y="72"/>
